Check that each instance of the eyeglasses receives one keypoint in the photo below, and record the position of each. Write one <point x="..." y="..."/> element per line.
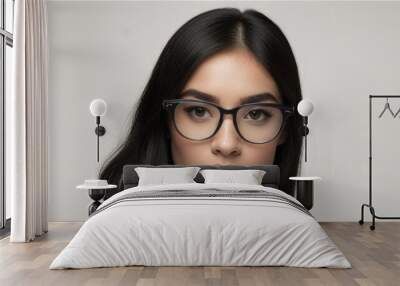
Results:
<point x="256" y="123"/>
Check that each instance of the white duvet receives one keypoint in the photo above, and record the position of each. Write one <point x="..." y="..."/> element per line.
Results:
<point x="206" y="231"/>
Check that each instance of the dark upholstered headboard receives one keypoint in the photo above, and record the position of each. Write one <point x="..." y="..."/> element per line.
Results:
<point x="271" y="178"/>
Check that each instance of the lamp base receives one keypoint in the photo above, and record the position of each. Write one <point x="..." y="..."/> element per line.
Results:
<point x="306" y="131"/>
<point x="100" y="130"/>
<point x="303" y="130"/>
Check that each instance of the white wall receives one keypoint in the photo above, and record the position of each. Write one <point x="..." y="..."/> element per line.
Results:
<point x="345" y="51"/>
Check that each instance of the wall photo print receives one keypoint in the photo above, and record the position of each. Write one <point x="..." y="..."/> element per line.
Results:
<point x="199" y="142"/>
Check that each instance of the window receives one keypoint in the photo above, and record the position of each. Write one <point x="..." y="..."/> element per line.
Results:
<point x="6" y="60"/>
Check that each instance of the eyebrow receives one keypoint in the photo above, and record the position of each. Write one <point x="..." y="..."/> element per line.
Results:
<point x="212" y="98"/>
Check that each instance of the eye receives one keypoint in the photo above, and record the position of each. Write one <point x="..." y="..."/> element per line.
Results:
<point x="258" y="114"/>
<point x="197" y="111"/>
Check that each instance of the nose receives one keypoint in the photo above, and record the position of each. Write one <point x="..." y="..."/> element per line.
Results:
<point x="226" y="142"/>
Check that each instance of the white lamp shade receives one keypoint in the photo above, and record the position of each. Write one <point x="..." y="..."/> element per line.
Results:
<point x="305" y="107"/>
<point x="98" y="107"/>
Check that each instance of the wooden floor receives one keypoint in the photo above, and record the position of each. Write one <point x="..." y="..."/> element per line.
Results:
<point x="374" y="255"/>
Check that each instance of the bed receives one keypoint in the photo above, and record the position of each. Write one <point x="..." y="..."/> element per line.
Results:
<point x="201" y="224"/>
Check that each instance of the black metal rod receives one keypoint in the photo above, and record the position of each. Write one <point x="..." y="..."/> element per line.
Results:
<point x="305" y="147"/>
<point x="370" y="151"/>
<point x="98" y="132"/>
<point x="98" y="142"/>
<point x="305" y="122"/>
<point x="385" y="96"/>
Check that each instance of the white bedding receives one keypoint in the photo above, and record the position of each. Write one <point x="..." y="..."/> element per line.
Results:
<point x="182" y="231"/>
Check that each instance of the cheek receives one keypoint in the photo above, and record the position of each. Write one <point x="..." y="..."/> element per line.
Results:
<point x="186" y="152"/>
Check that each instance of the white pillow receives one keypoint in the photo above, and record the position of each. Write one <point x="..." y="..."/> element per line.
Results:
<point x="249" y="176"/>
<point x="160" y="176"/>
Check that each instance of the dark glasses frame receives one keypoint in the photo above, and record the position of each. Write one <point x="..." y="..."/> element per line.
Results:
<point x="171" y="104"/>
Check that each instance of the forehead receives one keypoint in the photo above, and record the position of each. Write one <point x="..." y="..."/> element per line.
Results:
<point x="231" y="76"/>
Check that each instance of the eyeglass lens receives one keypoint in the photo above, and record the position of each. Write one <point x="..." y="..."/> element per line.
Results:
<point x="256" y="123"/>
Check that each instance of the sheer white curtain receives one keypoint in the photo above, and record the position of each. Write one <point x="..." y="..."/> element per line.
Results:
<point x="28" y="122"/>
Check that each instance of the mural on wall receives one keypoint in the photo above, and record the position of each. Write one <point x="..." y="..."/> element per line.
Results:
<point x="224" y="91"/>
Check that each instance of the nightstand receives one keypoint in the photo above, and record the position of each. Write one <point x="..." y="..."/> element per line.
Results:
<point x="304" y="190"/>
<point x="96" y="193"/>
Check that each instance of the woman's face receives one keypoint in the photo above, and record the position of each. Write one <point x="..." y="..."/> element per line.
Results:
<point x="229" y="76"/>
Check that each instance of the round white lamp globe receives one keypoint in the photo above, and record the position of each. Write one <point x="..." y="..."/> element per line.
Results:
<point x="305" y="107"/>
<point x="98" y="107"/>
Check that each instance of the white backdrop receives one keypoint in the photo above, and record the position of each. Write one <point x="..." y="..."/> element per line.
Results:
<point x="345" y="51"/>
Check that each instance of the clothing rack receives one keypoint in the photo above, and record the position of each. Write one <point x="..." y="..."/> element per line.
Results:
<point x="371" y="208"/>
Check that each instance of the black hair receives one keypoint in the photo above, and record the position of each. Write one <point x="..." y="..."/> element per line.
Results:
<point x="204" y="35"/>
